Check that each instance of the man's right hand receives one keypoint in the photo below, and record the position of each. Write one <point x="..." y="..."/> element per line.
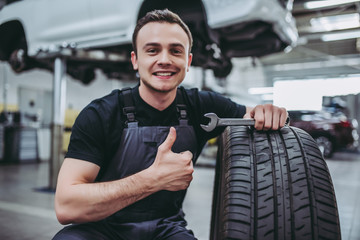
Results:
<point x="173" y="170"/>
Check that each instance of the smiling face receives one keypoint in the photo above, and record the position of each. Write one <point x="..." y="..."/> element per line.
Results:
<point x="162" y="58"/>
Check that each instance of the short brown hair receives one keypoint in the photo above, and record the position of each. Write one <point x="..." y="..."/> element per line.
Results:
<point x="166" y="16"/>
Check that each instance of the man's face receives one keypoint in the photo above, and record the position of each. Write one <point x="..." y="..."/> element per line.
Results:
<point x="163" y="56"/>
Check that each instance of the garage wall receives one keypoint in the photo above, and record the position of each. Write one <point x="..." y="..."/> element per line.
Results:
<point x="43" y="80"/>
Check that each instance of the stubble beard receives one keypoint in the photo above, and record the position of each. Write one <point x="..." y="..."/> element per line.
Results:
<point x="154" y="89"/>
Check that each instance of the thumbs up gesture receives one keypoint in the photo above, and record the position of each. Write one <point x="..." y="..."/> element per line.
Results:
<point x="172" y="170"/>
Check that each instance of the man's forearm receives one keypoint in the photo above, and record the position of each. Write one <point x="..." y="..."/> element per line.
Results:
<point x="85" y="202"/>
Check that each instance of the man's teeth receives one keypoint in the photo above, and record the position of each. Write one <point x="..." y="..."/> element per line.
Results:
<point x="164" y="74"/>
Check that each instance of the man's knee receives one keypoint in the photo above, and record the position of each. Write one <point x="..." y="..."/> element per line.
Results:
<point x="186" y="235"/>
<point x="79" y="232"/>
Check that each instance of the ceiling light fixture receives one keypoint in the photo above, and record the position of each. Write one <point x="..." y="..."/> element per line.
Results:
<point x="338" y="22"/>
<point x="327" y="3"/>
<point x="261" y="90"/>
<point x="340" y="36"/>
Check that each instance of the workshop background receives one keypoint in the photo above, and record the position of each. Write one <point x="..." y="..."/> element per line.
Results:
<point x="314" y="72"/>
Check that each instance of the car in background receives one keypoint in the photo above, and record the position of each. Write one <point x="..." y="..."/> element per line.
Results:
<point x="331" y="131"/>
<point x="94" y="34"/>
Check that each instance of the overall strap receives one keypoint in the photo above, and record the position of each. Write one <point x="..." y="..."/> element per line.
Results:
<point x="181" y="107"/>
<point x="129" y="106"/>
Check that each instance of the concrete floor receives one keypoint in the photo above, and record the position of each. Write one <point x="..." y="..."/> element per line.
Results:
<point x="27" y="213"/>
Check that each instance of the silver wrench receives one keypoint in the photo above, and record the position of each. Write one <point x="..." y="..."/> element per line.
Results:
<point x="217" y="122"/>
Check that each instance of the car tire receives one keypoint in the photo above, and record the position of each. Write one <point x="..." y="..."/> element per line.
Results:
<point x="223" y="70"/>
<point x="18" y="58"/>
<point x="272" y="185"/>
<point x="325" y="146"/>
<point x="83" y="73"/>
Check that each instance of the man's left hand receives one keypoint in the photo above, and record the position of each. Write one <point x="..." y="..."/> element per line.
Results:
<point x="267" y="117"/>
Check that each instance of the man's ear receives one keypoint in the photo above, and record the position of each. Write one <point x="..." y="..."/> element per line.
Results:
<point x="134" y="60"/>
<point x="189" y="61"/>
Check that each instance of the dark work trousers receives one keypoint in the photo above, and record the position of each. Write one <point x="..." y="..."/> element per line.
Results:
<point x="158" y="216"/>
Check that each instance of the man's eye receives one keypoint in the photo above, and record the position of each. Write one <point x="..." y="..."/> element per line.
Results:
<point x="176" y="51"/>
<point x="151" y="50"/>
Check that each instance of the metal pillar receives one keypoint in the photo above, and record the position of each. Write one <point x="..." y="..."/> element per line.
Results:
<point x="5" y="91"/>
<point x="203" y="79"/>
<point x="58" y="114"/>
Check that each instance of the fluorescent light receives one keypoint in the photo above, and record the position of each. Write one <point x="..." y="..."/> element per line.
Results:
<point x="308" y="94"/>
<point x="297" y="95"/>
<point x="340" y="36"/>
<point x="327" y="3"/>
<point x="338" y="22"/>
<point x="261" y="90"/>
<point x="267" y="97"/>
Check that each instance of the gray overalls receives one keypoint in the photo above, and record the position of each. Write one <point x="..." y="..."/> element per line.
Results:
<point x="158" y="216"/>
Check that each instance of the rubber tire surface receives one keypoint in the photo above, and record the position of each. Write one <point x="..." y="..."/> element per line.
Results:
<point x="272" y="185"/>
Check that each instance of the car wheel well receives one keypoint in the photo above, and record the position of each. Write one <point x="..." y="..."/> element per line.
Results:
<point x="192" y="12"/>
<point x="12" y="36"/>
<point x="184" y="8"/>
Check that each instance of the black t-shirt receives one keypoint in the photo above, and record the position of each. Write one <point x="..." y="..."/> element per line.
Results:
<point x="97" y="130"/>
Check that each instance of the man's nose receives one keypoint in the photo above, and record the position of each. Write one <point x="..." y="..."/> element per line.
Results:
<point x="164" y="59"/>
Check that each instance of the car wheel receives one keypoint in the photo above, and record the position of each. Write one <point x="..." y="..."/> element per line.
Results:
<point x="83" y="73"/>
<point x="223" y="70"/>
<point x="17" y="60"/>
<point x="272" y="185"/>
<point x="325" y="146"/>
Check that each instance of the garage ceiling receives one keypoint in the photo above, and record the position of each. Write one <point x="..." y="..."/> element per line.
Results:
<point x="329" y="42"/>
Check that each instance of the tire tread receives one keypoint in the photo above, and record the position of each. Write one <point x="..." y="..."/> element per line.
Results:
<point x="272" y="185"/>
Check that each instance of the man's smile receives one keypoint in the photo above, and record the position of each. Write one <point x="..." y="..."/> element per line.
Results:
<point x="164" y="74"/>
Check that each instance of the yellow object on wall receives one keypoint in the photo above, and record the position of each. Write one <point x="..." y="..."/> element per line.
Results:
<point x="9" y="107"/>
<point x="70" y="117"/>
<point x="66" y="140"/>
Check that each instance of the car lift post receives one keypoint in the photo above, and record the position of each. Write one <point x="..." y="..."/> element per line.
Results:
<point x="58" y="115"/>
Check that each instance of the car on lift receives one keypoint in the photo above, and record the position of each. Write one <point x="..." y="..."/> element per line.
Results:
<point x="331" y="131"/>
<point x="94" y="34"/>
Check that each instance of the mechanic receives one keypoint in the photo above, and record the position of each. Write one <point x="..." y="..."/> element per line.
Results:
<point x="131" y="153"/>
